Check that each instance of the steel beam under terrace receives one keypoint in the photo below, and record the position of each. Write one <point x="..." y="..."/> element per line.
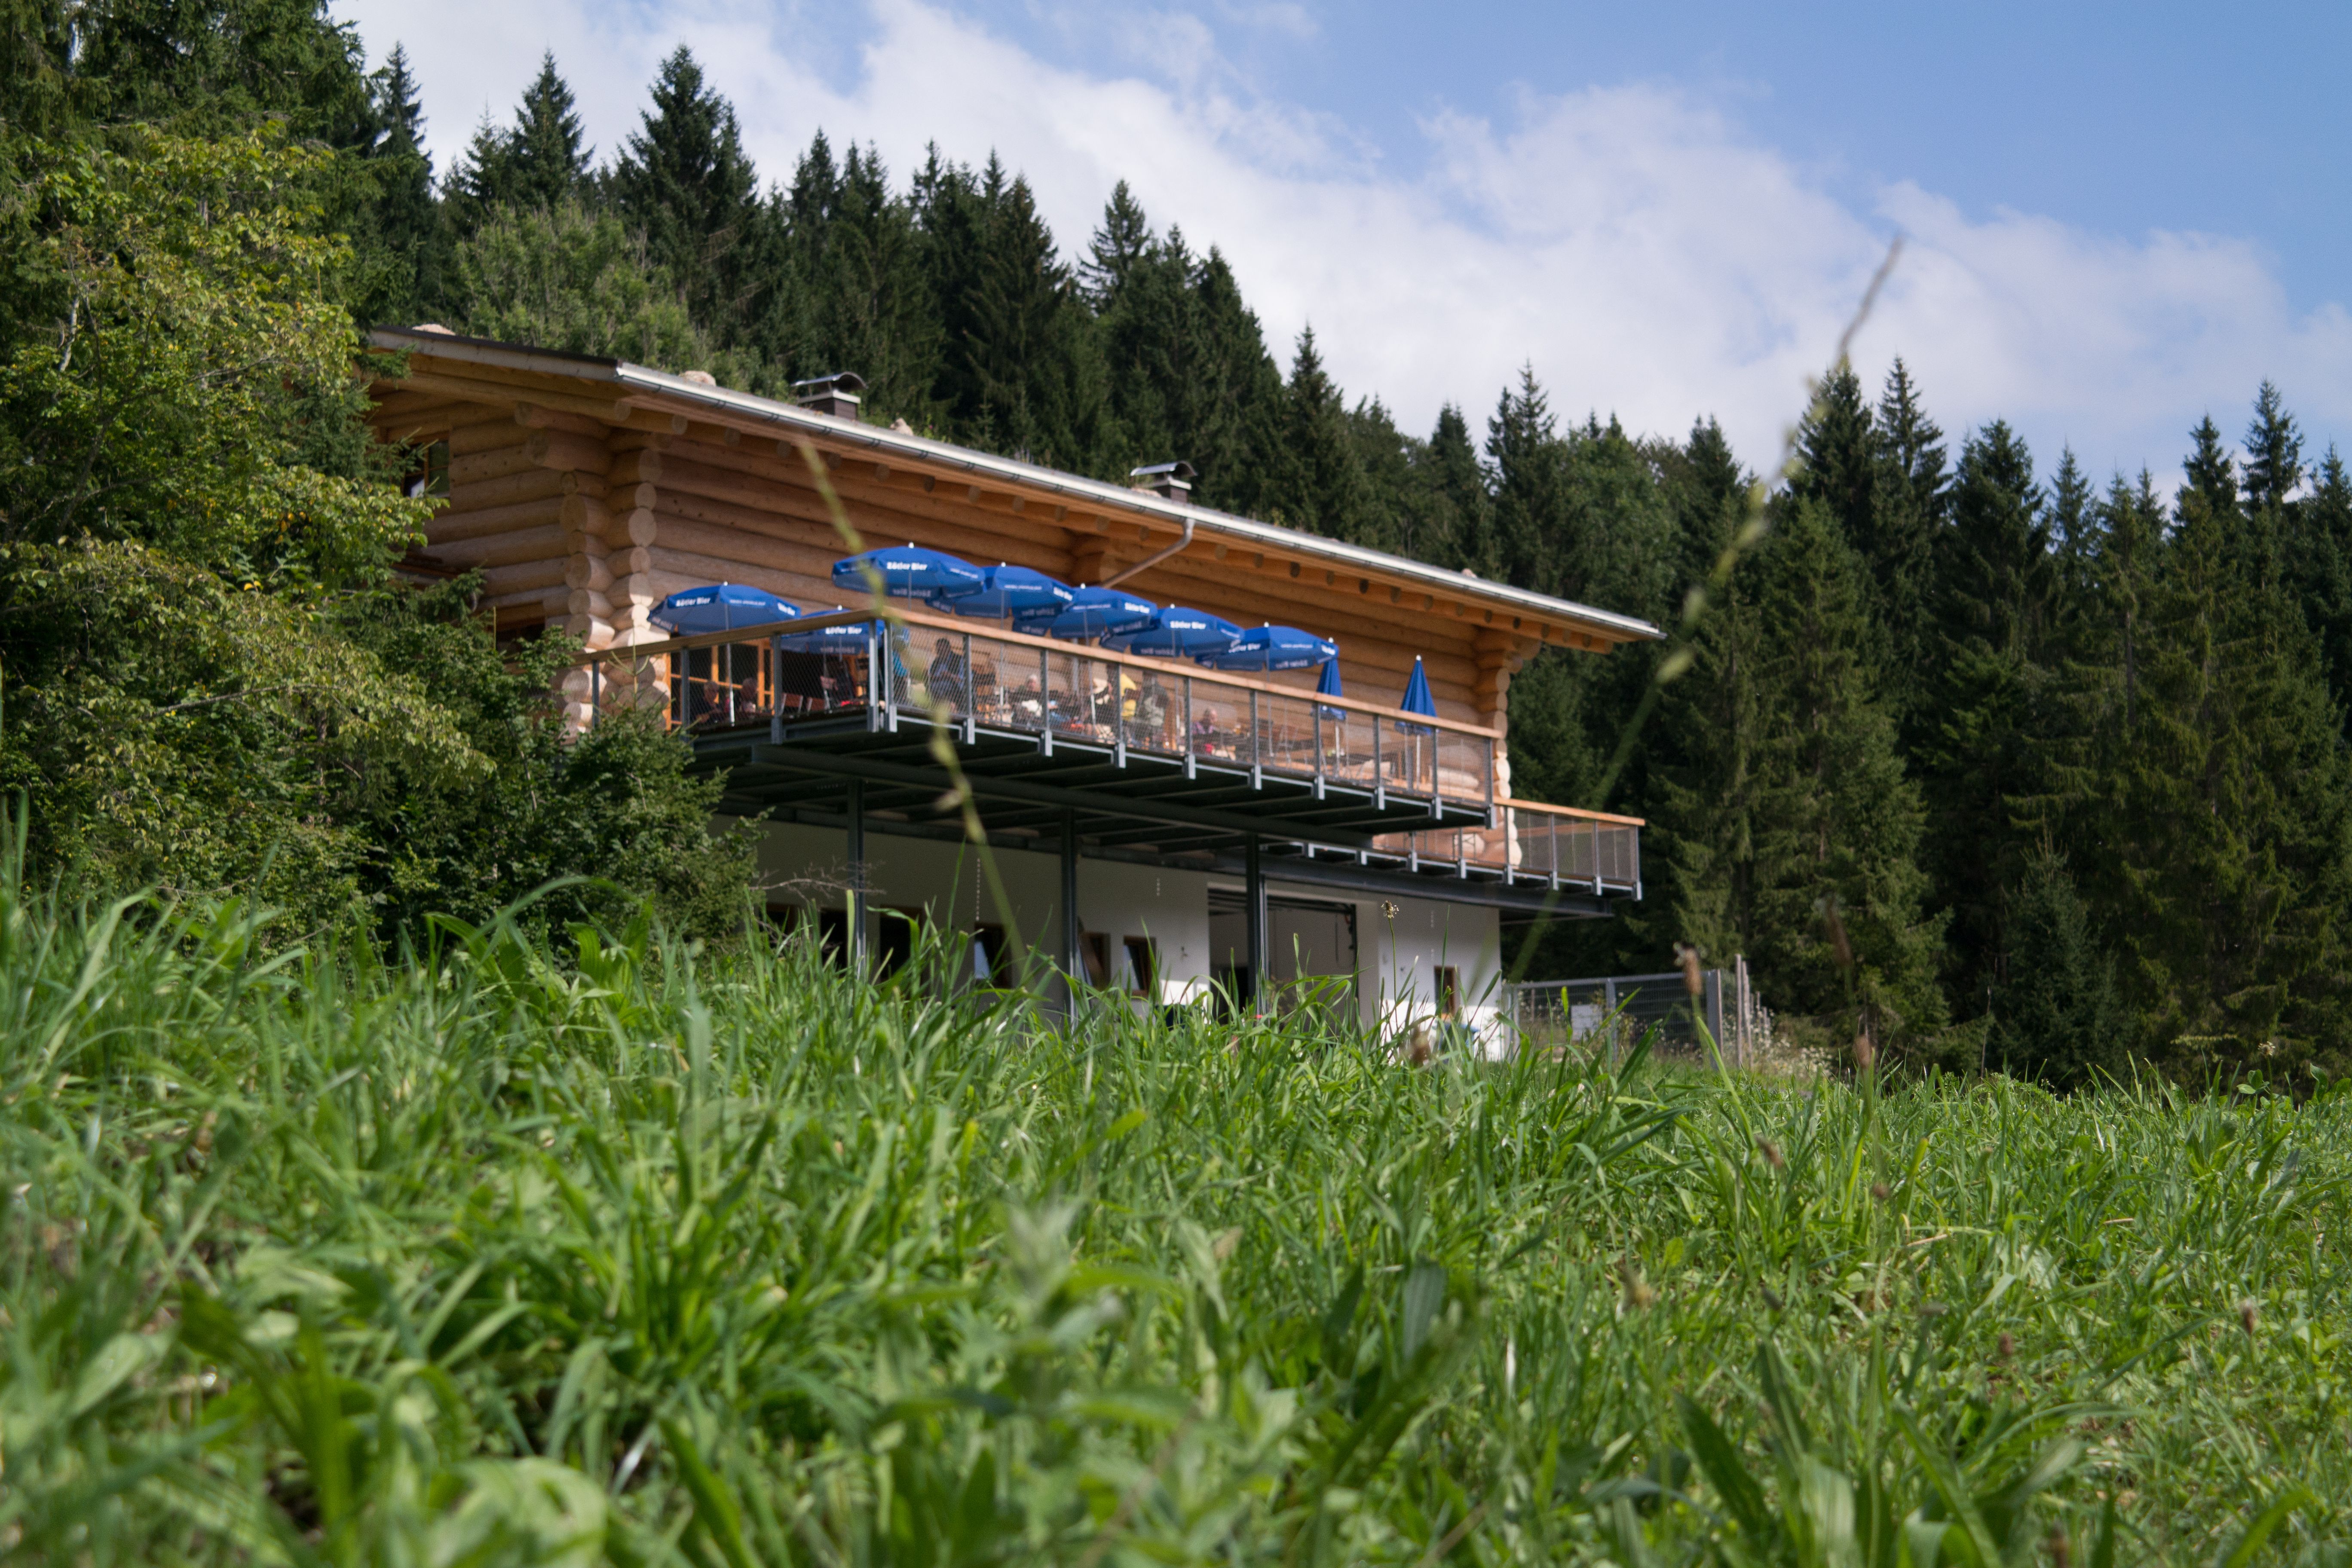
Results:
<point x="1142" y="800"/>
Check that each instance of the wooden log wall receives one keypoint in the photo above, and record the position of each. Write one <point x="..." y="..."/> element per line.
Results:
<point x="584" y="512"/>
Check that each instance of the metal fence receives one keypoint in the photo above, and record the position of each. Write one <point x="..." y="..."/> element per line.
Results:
<point x="1610" y="1012"/>
<point x="1056" y="691"/>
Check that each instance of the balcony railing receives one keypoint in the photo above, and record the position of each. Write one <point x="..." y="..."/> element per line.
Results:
<point x="1055" y="693"/>
<point x="1530" y="842"/>
<point x="941" y="669"/>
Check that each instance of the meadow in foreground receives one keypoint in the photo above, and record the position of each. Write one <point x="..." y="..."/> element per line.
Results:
<point x="615" y="1251"/>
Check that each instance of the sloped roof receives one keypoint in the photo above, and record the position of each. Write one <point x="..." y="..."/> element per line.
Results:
<point x="658" y="391"/>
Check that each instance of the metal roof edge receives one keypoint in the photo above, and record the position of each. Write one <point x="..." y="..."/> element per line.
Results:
<point x="879" y="439"/>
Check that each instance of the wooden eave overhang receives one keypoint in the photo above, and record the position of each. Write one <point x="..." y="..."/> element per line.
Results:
<point x="623" y="394"/>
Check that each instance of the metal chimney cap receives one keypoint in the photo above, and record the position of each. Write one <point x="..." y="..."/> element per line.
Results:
<point x="840" y="381"/>
<point x="1180" y="471"/>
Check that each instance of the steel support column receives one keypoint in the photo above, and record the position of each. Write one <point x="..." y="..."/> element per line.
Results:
<point x="855" y="895"/>
<point x="1254" y="906"/>
<point x="1073" y="959"/>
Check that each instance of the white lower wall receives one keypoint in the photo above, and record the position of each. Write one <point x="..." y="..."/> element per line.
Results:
<point x="1119" y="900"/>
<point x="1397" y="955"/>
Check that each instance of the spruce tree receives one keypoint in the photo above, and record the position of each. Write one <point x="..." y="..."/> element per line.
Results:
<point x="2067" y="518"/>
<point x="1227" y="384"/>
<point x="1838" y="932"/>
<point x="2054" y="1016"/>
<point x="400" y="249"/>
<point x="541" y="161"/>
<point x="1123" y="243"/>
<point x="1910" y="504"/>
<point x="2273" y="453"/>
<point x="684" y="182"/>
<point x="2317" y="566"/>
<point x="1318" y="475"/>
<point x="1019" y="371"/>
<point x="1839" y="461"/>
<point x="1395" y="508"/>
<point x="1702" y="800"/>
<point x="847" y="289"/>
<point x="2208" y="813"/>
<point x="1523" y="452"/>
<point x="548" y="157"/>
<point x="1978" y="740"/>
<point x="201" y="67"/>
<point x="1450" y="521"/>
<point x="1144" y="320"/>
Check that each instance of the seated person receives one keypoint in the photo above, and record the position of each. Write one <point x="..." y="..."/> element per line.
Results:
<point x="947" y="677"/>
<point x="1204" y="729"/>
<point x="1028" y="706"/>
<point x="1148" y="706"/>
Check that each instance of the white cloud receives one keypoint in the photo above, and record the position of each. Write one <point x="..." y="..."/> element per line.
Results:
<point x="1649" y="259"/>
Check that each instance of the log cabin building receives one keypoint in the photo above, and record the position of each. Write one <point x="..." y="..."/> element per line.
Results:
<point x="1160" y="827"/>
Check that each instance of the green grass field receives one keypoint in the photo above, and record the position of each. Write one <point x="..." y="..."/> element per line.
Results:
<point x="649" y="1257"/>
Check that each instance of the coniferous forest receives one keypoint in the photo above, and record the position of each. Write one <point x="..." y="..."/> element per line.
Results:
<point x="1998" y="761"/>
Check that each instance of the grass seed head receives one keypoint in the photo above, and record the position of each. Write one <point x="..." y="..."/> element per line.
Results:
<point x="1692" y="981"/>
<point x="1638" y="1294"/>
<point x="2008" y="1345"/>
<point x="1879" y="1191"/>
<point x="1771" y="1153"/>
<point x="2249" y="1316"/>
<point x="2061" y="1550"/>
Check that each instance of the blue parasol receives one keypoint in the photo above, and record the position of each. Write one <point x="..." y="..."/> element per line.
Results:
<point x="909" y="571"/>
<point x="846" y="638"/>
<point x="1276" y="647"/>
<point x="1329" y="687"/>
<point x="1013" y="591"/>
<point x="720" y="608"/>
<point x="1177" y="632"/>
<point x="1092" y="613"/>
<point x="1417" y="700"/>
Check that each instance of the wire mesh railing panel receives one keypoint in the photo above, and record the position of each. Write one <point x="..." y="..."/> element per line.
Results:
<point x="1461" y="766"/>
<point x="1610" y="1015"/>
<point x="1350" y="747"/>
<point x="1222" y="730"/>
<point x="1409" y="758"/>
<point x="713" y="688"/>
<point x="812" y="684"/>
<point x="1617" y="853"/>
<point x="1285" y="735"/>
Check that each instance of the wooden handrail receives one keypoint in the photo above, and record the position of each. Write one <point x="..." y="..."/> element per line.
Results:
<point x="961" y="625"/>
<point x="1507" y="804"/>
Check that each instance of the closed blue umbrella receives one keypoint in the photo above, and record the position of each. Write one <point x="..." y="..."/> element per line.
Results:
<point x="1329" y="687"/>
<point x="1417" y="700"/>
<point x="1093" y="613"/>
<point x="720" y="608"/>
<point x="1276" y="647"/>
<point x="908" y="572"/>
<point x="1178" y="633"/>
<point x="1013" y="591"/>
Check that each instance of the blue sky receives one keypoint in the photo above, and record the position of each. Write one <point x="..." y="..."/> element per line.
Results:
<point x="2118" y="218"/>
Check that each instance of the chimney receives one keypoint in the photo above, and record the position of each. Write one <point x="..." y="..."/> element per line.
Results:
<point x="1170" y="481"/>
<point x="837" y="395"/>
